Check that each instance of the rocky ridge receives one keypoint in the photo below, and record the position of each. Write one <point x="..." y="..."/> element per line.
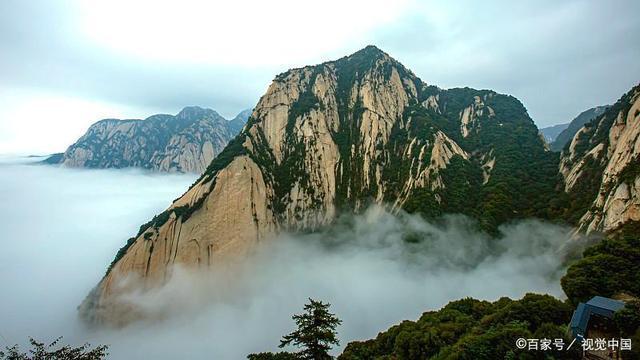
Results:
<point x="601" y="167"/>
<point x="186" y="142"/>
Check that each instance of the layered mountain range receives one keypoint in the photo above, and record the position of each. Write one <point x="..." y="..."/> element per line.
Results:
<point x="550" y="133"/>
<point x="566" y="132"/>
<point x="186" y="142"/>
<point x="342" y="135"/>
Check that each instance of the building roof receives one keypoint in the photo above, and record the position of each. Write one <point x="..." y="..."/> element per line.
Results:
<point x="578" y="323"/>
<point x="606" y="303"/>
<point x="597" y="305"/>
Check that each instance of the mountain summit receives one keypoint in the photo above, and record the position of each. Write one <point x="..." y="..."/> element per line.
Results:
<point x="186" y="142"/>
<point x="333" y="138"/>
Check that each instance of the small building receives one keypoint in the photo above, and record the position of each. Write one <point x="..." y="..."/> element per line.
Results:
<point x="593" y="320"/>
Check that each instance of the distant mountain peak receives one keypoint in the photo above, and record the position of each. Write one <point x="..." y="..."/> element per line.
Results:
<point x="243" y="115"/>
<point x="186" y="142"/>
<point x="193" y="112"/>
<point x="369" y="50"/>
<point x="565" y="136"/>
<point x="237" y="123"/>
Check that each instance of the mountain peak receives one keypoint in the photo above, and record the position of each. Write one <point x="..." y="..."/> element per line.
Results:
<point x="369" y="52"/>
<point x="359" y="61"/>
<point x="191" y="112"/>
<point x="329" y="139"/>
<point x="371" y="57"/>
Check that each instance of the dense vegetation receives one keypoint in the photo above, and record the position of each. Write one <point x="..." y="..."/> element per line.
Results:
<point x="521" y="184"/>
<point x="628" y="322"/>
<point x="472" y="329"/>
<point x="523" y="179"/>
<point x="609" y="268"/>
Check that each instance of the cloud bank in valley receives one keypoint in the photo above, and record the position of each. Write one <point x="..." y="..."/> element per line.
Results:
<point x="376" y="269"/>
<point x="60" y="228"/>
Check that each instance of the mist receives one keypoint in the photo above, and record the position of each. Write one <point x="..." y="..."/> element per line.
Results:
<point x="62" y="227"/>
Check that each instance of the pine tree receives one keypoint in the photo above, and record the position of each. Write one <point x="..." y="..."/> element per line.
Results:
<point x="316" y="331"/>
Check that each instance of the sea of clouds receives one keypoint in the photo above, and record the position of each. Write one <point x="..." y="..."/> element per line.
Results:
<point x="61" y="228"/>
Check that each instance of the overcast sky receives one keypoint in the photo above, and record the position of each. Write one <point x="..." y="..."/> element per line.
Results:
<point x="67" y="64"/>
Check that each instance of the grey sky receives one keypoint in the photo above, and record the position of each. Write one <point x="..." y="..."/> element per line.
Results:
<point x="66" y="64"/>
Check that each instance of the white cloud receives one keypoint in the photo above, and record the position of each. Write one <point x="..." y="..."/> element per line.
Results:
<point x="62" y="227"/>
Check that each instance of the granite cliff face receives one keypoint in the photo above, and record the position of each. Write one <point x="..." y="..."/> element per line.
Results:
<point x="335" y="138"/>
<point x="186" y="142"/>
<point x="601" y="167"/>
